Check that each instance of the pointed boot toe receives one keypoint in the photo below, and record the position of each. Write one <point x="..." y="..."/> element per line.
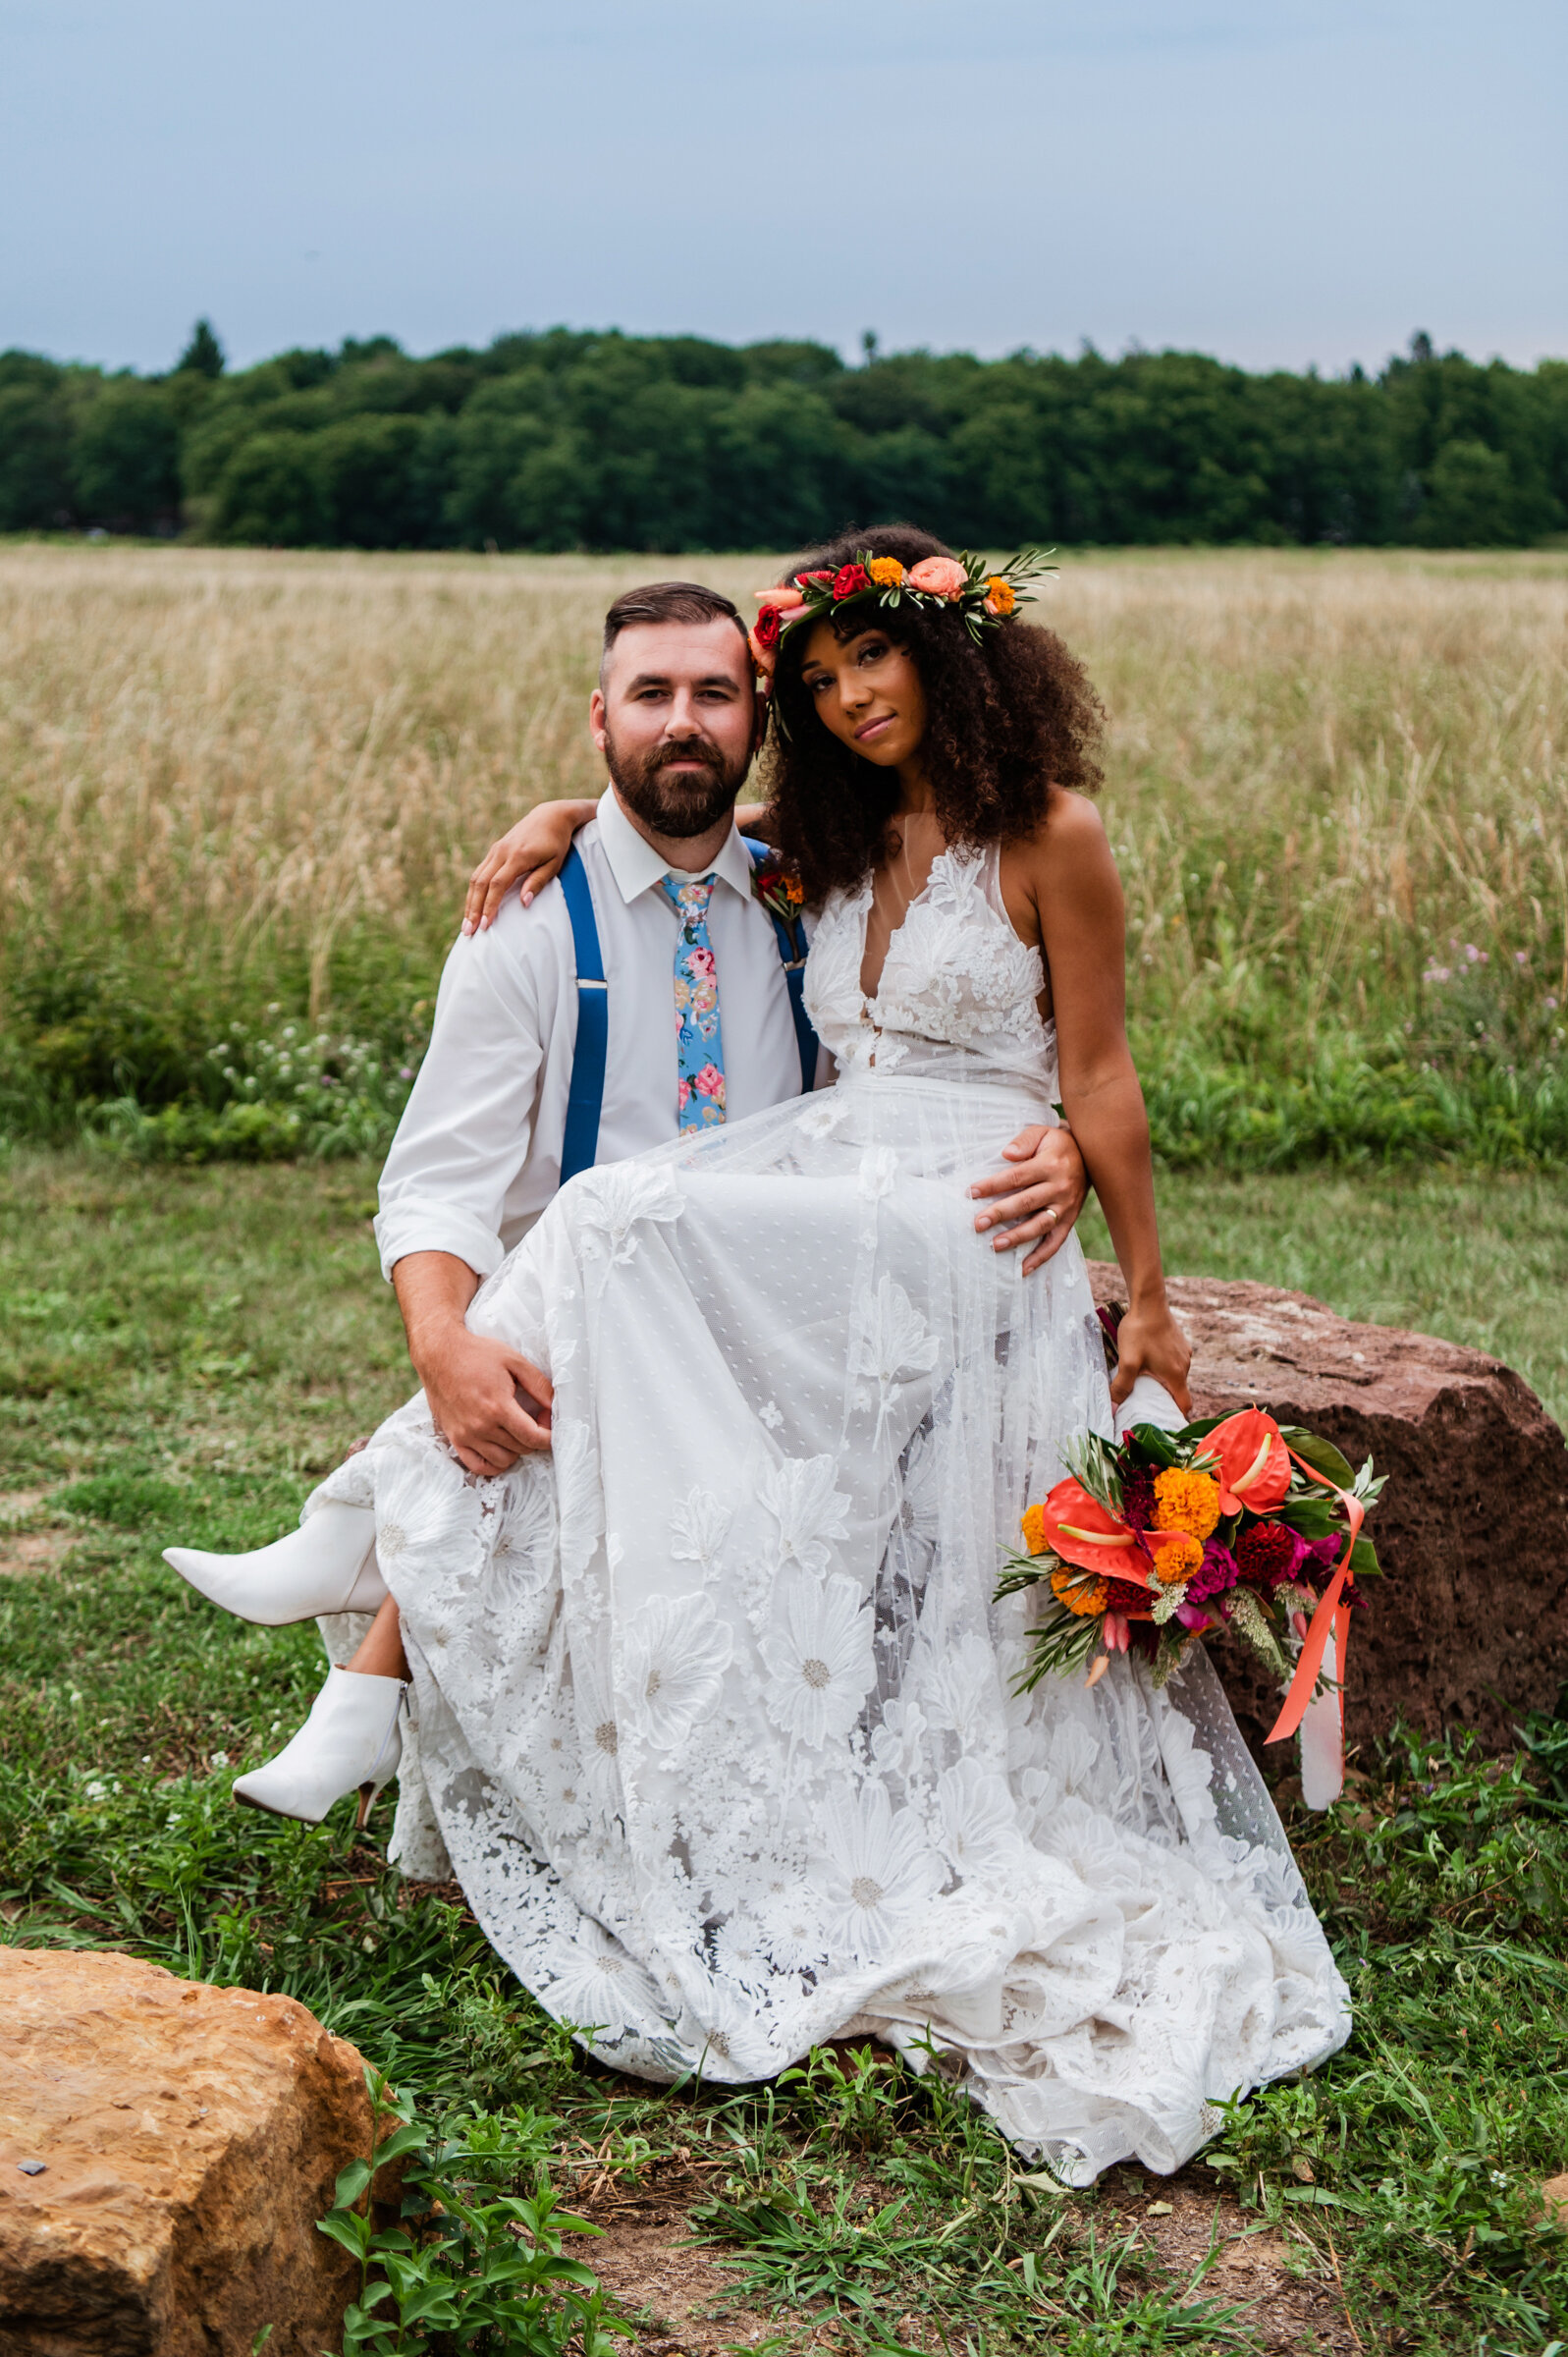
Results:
<point x="327" y="1565"/>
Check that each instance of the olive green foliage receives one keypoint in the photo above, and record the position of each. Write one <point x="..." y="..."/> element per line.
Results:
<point x="182" y="1352"/>
<point x="566" y="440"/>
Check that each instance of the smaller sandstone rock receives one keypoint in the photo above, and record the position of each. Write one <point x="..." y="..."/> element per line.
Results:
<point x="165" y="2152"/>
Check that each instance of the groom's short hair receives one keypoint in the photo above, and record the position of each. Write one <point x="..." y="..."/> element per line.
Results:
<point x="667" y="601"/>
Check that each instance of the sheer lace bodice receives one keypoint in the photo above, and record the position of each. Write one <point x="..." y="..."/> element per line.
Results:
<point x="718" y="1709"/>
<point x="958" y="994"/>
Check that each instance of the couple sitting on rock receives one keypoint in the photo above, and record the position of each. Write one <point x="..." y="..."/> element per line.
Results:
<point x="748" y="1318"/>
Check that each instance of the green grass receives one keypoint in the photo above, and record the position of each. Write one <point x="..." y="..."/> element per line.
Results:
<point x="182" y="1352"/>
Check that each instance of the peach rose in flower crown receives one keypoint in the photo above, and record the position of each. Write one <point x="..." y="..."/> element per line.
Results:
<point x="939" y="577"/>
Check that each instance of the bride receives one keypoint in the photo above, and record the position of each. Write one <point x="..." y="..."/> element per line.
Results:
<point x="715" y="1707"/>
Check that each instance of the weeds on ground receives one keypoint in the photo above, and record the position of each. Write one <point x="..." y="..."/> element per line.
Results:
<point x="470" y="2263"/>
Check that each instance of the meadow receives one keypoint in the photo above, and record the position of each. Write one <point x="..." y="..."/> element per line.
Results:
<point x="239" y="793"/>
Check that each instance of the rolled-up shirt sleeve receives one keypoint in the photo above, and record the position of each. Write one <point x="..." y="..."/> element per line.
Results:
<point x="466" y="1127"/>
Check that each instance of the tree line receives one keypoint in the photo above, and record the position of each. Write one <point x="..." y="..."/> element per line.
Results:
<point x="566" y="440"/>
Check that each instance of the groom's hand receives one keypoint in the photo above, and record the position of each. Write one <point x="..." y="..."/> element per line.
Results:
<point x="492" y="1403"/>
<point x="1038" y="1201"/>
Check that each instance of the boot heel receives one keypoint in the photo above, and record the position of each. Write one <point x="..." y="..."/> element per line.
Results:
<point x="369" y="1794"/>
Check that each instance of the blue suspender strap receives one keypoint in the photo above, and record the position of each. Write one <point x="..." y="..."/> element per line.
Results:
<point x="792" y="952"/>
<point x="585" y="1098"/>
<point x="791" y="939"/>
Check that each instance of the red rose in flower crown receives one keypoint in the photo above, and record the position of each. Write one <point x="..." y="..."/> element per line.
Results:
<point x="849" y="581"/>
<point x="766" y="629"/>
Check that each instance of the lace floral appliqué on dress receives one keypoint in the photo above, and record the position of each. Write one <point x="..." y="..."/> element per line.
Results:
<point x="715" y="1712"/>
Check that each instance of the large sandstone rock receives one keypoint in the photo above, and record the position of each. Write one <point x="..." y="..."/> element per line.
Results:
<point x="1470" y="1627"/>
<point x="191" y="2138"/>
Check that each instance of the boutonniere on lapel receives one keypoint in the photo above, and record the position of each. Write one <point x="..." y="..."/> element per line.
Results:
<point x="778" y="890"/>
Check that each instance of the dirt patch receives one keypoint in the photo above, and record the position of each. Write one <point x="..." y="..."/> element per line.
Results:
<point x="24" y="1550"/>
<point x="683" y="2298"/>
<point x="15" y="1504"/>
<point x="679" y="2294"/>
<point x="1290" y="2292"/>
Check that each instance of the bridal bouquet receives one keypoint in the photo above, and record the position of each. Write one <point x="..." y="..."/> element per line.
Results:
<point x="1232" y="1526"/>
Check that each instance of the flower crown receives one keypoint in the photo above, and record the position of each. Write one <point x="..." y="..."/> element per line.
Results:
<point x="962" y="582"/>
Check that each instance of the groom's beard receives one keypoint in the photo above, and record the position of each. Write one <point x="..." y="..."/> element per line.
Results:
<point x="677" y="804"/>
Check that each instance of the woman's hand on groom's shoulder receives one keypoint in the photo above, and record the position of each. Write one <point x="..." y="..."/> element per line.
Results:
<point x="529" y="854"/>
<point x="1038" y="1200"/>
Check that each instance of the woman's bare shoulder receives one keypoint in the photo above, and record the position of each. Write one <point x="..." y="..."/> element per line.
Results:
<point x="1070" y="840"/>
<point x="1071" y="820"/>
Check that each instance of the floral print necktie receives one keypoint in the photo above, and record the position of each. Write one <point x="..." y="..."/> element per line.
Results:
<point x="699" y="1040"/>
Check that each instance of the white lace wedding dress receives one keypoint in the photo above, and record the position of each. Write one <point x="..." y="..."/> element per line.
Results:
<point x="714" y="1708"/>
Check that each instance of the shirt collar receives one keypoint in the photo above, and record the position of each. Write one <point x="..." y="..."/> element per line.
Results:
<point x="635" y="866"/>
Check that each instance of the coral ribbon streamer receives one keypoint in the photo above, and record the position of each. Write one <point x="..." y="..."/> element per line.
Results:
<point x="1330" y="1615"/>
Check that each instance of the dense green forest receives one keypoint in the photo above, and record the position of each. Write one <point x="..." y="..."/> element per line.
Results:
<point x="603" y="441"/>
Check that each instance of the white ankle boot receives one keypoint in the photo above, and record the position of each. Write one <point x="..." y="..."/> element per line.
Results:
<point x="327" y="1565"/>
<point x="351" y="1741"/>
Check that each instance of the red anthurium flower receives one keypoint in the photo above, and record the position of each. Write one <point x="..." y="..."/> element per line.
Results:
<point x="1251" y="1461"/>
<point x="1083" y="1533"/>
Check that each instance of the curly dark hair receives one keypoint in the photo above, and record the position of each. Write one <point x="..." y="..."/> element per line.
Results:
<point x="1011" y="721"/>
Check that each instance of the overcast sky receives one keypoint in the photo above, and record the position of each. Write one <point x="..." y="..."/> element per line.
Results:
<point x="1282" y="182"/>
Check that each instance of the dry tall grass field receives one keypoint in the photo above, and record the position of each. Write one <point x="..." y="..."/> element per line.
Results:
<point x="1336" y="783"/>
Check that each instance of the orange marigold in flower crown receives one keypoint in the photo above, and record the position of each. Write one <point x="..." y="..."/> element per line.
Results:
<point x="1001" y="595"/>
<point x="886" y="572"/>
<point x="1187" y="1500"/>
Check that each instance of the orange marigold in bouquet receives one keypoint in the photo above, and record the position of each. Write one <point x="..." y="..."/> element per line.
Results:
<point x="1186" y="1500"/>
<point x="1082" y="1592"/>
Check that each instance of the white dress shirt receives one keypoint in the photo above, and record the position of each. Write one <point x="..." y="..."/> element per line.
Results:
<point x="477" y="1154"/>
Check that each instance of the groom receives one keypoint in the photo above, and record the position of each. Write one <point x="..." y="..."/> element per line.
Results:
<point x="690" y="962"/>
